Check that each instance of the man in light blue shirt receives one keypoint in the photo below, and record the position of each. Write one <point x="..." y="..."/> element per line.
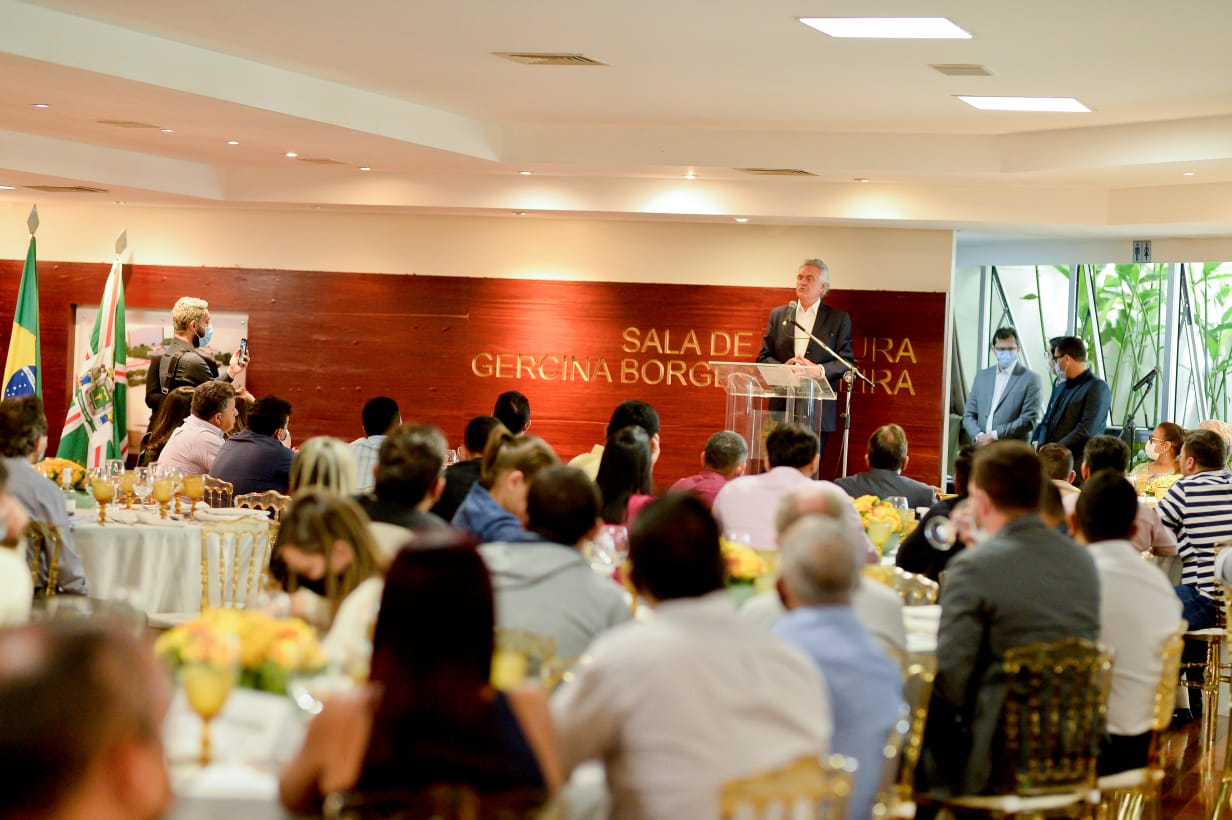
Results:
<point x="380" y="415"/>
<point x="820" y="567"/>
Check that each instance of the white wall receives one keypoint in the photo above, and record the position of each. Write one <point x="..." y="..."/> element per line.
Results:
<point x="493" y="246"/>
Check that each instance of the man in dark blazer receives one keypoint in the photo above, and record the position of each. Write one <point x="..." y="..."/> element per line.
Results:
<point x="1026" y="583"/>
<point x="1079" y="408"/>
<point x="886" y="458"/>
<point x="784" y="343"/>
<point x="1005" y="398"/>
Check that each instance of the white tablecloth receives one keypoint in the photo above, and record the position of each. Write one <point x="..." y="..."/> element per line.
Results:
<point x="154" y="567"/>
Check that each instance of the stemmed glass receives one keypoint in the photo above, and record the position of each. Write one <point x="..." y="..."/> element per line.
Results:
<point x="115" y="469"/>
<point x="879" y="532"/>
<point x="128" y="480"/>
<point x="194" y="488"/>
<point x="177" y="481"/>
<point x="163" y="487"/>
<point x="609" y="548"/>
<point x="144" y="485"/>
<point x="941" y="533"/>
<point x="103" y="490"/>
<point x="211" y="669"/>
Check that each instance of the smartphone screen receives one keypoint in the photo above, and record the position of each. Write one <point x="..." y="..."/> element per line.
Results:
<point x="243" y="347"/>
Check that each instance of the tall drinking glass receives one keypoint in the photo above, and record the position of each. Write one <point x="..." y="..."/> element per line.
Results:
<point x="164" y="487"/>
<point x="102" y="489"/>
<point x="128" y="480"/>
<point x="194" y="488"/>
<point x="144" y="485"/>
<point x="211" y="669"/>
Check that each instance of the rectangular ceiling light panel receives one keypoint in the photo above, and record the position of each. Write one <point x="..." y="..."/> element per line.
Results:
<point x="1065" y="105"/>
<point x="888" y="28"/>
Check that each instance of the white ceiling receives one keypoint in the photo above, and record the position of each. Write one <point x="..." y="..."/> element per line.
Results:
<point x="412" y="90"/>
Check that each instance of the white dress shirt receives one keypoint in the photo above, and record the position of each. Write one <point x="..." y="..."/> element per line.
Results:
<point x="807" y="317"/>
<point x="367" y="452"/>
<point x="1138" y="610"/>
<point x="679" y="704"/>
<point x="999" y="384"/>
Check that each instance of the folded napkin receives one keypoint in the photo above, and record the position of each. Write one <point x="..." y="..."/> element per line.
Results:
<point x="123" y="516"/>
<point x="151" y="518"/>
<point x="227" y="514"/>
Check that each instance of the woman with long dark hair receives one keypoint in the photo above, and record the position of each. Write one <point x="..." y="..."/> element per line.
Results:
<point x="428" y="713"/>
<point x="174" y="409"/>
<point x="624" y="475"/>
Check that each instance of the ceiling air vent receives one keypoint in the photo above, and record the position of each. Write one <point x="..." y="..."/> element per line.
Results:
<point x="548" y="59"/>
<point x="778" y="172"/>
<point x="962" y="69"/>
<point x="126" y="124"/>
<point x="67" y="189"/>
<point x="320" y="160"/>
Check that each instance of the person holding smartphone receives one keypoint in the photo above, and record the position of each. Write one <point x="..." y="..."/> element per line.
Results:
<point x="181" y="364"/>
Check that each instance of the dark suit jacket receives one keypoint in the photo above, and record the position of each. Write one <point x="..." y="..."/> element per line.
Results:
<point x="1026" y="584"/>
<point x="458" y="480"/>
<point x="1078" y="411"/>
<point x="833" y="326"/>
<point x="886" y="483"/>
<point x="1015" y="414"/>
<point x="916" y="554"/>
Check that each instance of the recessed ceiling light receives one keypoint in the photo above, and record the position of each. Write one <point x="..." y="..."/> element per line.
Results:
<point x="1065" y="105"/>
<point x="291" y="154"/>
<point x="690" y="176"/>
<point x="1188" y="173"/>
<point x="233" y="142"/>
<point x="519" y="213"/>
<point x="888" y="28"/>
<point x="167" y="130"/>
<point x="118" y="202"/>
<point x="365" y="168"/>
<point x="7" y="188"/>
<point x="41" y="105"/>
<point x="526" y="173"/>
<point x="861" y="179"/>
<point x="742" y="219"/>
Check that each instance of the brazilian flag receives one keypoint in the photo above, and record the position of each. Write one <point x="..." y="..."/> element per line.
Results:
<point x="23" y="369"/>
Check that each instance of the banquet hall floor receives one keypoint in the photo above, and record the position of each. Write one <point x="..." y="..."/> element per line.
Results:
<point x="1191" y="783"/>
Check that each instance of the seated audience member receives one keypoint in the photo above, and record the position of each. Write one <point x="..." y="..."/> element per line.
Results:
<point x="460" y="476"/>
<point x="1198" y="508"/>
<point x="323" y="463"/>
<point x="175" y="407"/>
<point x="1058" y="464"/>
<point x="1052" y="508"/>
<point x="877" y="606"/>
<point x="631" y="412"/>
<point x="1161" y="469"/>
<point x="408" y="478"/>
<point x="886" y="459"/>
<point x="495" y="506"/>
<point x="256" y="459"/>
<point x="244" y="403"/>
<point x="694" y="697"/>
<point x="16" y="586"/>
<point x="23" y="443"/>
<point x="1025" y="584"/>
<point x="428" y="714"/>
<point x="1221" y="429"/>
<point x="747" y="505"/>
<point x="380" y="415"/>
<point x="328" y="552"/>
<point x="194" y="445"/>
<point x="725" y="457"/>
<point x="624" y="475"/>
<point x="1110" y="453"/>
<point x="512" y="409"/>
<point x="1138" y="612"/>
<point x="915" y="553"/>
<point x="546" y="586"/>
<point x="820" y="571"/>
<point x="83" y="703"/>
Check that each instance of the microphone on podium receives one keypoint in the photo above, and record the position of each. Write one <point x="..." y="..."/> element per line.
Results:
<point x="789" y="318"/>
<point x="1145" y="380"/>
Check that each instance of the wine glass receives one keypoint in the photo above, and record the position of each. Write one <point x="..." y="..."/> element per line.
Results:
<point x="163" y="488"/>
<point x="211" y="669"/>
<point x="941" y="533"/>
<point x="177" y="482"/>
<point x="115" y="469"/>
<point x="103" y="490"/>
<point x="128" y="480"/>
<point x="194" y="488"/>
<point x="879" y="531"/>
<point x="144" y="484"/>
<point x="609" y="548"/>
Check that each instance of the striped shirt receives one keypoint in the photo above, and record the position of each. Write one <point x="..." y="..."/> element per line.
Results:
<point x="366" y="452"/>
<point x="1198" y="508"/>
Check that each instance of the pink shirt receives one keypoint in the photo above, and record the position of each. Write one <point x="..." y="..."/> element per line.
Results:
<point x="705" y="485"/>
<point x="192" y="447"/>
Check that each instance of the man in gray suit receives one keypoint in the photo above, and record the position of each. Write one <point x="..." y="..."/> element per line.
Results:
<point x="1025" y="584"/>
<point x="1005" y="399"/>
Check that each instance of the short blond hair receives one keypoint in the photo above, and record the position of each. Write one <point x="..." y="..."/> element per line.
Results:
<point x="188" y="309"/>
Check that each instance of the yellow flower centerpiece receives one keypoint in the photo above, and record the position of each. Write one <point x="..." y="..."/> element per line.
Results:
<point x="54" y="469"/>
<point x="881" y="520"/>
<point x="744" y="565"/>
<point x="271" y="649"/>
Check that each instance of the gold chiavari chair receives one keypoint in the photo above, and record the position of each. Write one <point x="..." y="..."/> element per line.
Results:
<point x="1052" y="722"/>
<point x="824" y="786"/>
<point x="914" y="589"/>
<point x="906" y="743"/>
<point x="1136" y="793"/>
<point x="271" y="501"/>
<point x="1213" y="639"/>
<point x="520" y="655"/>
<point x="218" y="493"/>
<point x="231" y="538"/>
<point x="43" y="537"/>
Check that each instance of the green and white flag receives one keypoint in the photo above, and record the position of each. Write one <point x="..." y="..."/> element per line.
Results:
<point x="96" y="427"/>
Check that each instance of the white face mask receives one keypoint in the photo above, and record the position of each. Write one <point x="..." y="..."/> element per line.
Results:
<point x="1152" y="451"/>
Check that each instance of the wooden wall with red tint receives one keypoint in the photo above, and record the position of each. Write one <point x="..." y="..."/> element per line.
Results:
<point x="446" y="347"/>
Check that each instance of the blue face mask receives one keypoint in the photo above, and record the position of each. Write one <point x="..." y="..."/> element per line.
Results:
<point x="204" y="338"/>
<point x="1006" y="358"/>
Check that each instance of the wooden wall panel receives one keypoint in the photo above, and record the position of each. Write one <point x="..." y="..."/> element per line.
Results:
<point x="446" y="347"/>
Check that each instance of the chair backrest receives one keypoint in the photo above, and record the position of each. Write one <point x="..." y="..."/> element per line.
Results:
<point x="1165" y="695"/>
<point x="44" y="537"/>
<point x="443" y="801"/>
<point x="899" y="773"/>
<point x="822" y="786"/>
<point x="1053" y="717"/>
<point x="914" y="589"/>
<point x="520" y="655"/>
<point x="271" y="501"/>
<point x="224" y="546"/>
<point x="218" y="492"/>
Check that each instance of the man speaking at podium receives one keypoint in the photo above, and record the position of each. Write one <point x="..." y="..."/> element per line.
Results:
<point x="785" y="343"/>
